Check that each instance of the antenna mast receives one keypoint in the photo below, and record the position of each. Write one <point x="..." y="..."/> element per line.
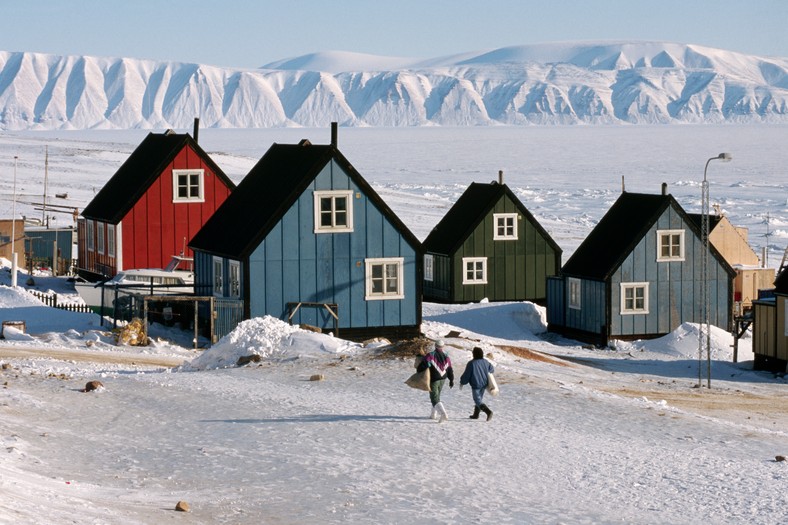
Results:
<point x="44" y="218"/>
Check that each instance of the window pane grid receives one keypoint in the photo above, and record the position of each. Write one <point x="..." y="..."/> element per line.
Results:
<point x="384" y="279"/>
<point x="332" y="211"/>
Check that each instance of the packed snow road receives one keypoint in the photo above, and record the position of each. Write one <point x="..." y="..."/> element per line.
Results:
<point x="263" y="443"/>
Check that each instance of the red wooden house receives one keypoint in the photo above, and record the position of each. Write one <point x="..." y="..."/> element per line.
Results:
<point x="151" y="208"/>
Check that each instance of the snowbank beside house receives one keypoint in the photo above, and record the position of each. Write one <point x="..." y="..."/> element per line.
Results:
<point x="683" y="342"/>
<point x="268" y="338"/>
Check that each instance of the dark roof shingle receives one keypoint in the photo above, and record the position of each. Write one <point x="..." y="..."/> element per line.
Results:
<point x="616" y="234"/>
<point x="268" y="191"/>
<point x="466" y="214"/>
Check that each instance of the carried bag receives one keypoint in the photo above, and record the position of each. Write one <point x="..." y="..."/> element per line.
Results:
<point x="419" y="380"/>
<point x="492" y="384"/>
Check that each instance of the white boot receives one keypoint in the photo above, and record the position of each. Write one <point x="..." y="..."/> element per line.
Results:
<point x="434" y="414"/>
<point x="442" y="412"/>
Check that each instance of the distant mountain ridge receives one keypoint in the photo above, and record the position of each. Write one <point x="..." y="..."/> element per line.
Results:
<point x="560" y="83"/>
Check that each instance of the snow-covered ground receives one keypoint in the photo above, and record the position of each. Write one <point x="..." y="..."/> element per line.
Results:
<point x="579" y="435"/>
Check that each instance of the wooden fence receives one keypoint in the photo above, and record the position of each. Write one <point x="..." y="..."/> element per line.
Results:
<point x="51" y="300"/>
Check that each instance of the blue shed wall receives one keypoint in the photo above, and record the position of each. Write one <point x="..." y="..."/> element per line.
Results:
<point x="294" y="264"/>
<point x="674" y="287"/>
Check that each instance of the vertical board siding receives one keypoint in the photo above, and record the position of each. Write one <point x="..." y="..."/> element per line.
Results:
<point x="440" y="286"/>
<point x="764" y="340"/>
<point x="674" y="287"/>
<point x="516" y="269"/>
<point x="294" y="264"/>
<point x="780" y="336"/>
<point x="556" y="301"/>
<point x="156" y="228"/>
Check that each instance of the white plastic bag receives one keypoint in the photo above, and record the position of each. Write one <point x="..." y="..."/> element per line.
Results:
<point x="492" y="384"/>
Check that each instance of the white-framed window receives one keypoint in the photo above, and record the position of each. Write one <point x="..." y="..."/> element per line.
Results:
<point x="474" y="270"/>
<point x="111" y="240"/>
<point x="333" y="211"/>
<point x="384" y="278"/>
<point x="218" y="277"/>
<point x="100" y="237"/>
<point x="429" y="265"/>
<point x="90" y="235"/>
<point x="187" y="186"/>
<point x="574" y="293"/>
<point x="634" y="298"/>
<point x="670" y="245"/>
<point x="505" y="225"/>
<point x="235" y="278"/>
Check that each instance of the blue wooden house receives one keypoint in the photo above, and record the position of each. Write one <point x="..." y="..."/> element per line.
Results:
<point x="305" y="238"/>
<point x="488" y="245"/>
<point x="638" y="275"/>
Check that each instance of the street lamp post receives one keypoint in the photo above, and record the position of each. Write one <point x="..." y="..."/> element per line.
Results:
<point x="13" y="230"/>
<point x="704" y="327"/>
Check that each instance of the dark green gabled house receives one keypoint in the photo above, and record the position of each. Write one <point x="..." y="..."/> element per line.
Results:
<point x="488" y="246"/>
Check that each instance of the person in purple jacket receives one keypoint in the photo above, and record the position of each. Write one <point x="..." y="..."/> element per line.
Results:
<point x="440" y="368"/>
<point x="475" y="374"/>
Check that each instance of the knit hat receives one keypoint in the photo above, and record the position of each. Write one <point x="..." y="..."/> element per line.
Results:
<point x="439" y="344"/>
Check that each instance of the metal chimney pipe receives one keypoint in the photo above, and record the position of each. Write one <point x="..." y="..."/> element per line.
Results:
<point x="196" y="129"/>
<point x="664" y="188"/>
<point x="500" y="176"/>
<point x="334" y="134"/>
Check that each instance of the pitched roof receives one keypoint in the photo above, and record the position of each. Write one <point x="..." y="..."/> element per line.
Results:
<point x="141" y="169"/>
<point x="268" y="191"/>
<point x="697" y="218"/>
<point x="781" y="282"/>
<point x="619" y="230"/>
<point x="470" y="209"/>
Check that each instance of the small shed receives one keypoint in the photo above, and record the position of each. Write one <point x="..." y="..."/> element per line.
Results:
<point x="488" y="246"/>
<point x="770" y="327"/>
<point x="304" y="238"/>
<point x="42" y="243"/>
<point x="638" y="275"/>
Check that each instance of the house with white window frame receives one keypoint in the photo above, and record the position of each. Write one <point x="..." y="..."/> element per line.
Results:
<point x="304" y="238"/>
<point x="488" y="246"/>
<point x="149" y="209"/>
<point x="638" y="275"/>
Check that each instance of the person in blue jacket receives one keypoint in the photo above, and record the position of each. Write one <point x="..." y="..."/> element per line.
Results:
<point x="439" y="364"/>
<point x="475" y="374"/>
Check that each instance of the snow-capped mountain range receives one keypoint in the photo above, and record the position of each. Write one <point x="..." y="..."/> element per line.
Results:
<point x="562" y="83"/>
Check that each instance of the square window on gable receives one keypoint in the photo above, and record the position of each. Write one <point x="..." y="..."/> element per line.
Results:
<point x="333" y="211"/>
<point x="505" y="226"/>
<point x="670" y="245"/>
<point x="187" y="186"/>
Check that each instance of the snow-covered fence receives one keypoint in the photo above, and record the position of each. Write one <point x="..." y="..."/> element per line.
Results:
<point x="51" y="300"/>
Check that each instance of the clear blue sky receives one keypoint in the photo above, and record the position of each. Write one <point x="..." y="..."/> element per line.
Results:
<point x="250" y="33"/>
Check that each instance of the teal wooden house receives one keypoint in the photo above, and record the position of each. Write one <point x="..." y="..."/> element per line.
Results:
<point x="638" y="275"/>
<point x="306" y="239"/>
<point x="488" y="246"/>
